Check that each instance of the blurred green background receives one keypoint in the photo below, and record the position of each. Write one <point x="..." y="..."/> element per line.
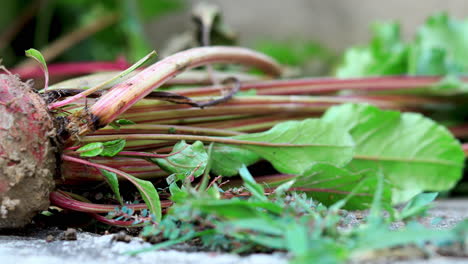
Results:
<point x="87" y="30"/>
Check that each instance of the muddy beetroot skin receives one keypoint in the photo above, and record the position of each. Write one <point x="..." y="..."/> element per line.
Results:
<point x="27" y="158"/>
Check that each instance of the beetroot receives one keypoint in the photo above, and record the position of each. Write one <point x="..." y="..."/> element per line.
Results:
<point x="29" y="140"/>
<point x="27" y="160"/>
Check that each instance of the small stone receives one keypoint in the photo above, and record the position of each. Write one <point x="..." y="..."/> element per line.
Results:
<point x="122" y="237"/>
<point x="69" y="234"/>
<point x="50" y="238"/>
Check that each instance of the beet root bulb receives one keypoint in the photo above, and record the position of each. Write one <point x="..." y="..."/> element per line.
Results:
<point x="27" y="155"/>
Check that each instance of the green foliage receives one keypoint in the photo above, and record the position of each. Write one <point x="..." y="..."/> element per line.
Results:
<point x="413" y="152"/>
<point x="300" y="57"/>
<point x="91" y="149"/>
<point x="116" y="124"/>
<point x="131" y="23"/>
<point x="255" y="189"/>
<point x="440" y="47"/>
<point x="37" y="56"/>
<point x="437" y="49"/>
<point x="329" y="184"/>
<point x="310" y="232"/>
<point x="293" y="53"/>
<point x="147" y="190"/>
<point x="418" y="205"/>
<point x="126" y="36"/>
<point x="185" y="160"/>
<point x="123" y="75"/>
<point x="124" y="122"/>
<point x="386" y="54"/>
<point x="112" y="148"/>
<point x="300" y="144"/>
<point x="228" y="159"/>
<point x="150" y="196"/>
<point x="113" y="182"/>
<point x="371" y="237"/>
<point x="104" y="149"/>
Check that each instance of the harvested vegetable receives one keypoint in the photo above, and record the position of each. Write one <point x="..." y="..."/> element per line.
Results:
<point x="34" y="134"/>
<point x="122" y="128"/>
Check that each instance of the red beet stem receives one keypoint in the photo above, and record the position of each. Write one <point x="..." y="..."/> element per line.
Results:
<point x="124" y="95"/>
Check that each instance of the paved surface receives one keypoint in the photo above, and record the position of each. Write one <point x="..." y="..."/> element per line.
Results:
<point x="95" y="249"/>
<point x="101" y="249"/>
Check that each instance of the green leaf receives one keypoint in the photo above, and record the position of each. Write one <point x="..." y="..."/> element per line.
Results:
<point x="123" y="122"/>
<point x="440" y="47"/>
<point x="150" y="196"/>
<point x="105" y="149"/>
<point x="113" y="181"/>
<point x="312" y="141"/>
<point x="263" y="225"/>
<point x="377" y="237"/>
<point x="112" y="148"/>
<point x="356" y="62"/>
<point x="284" y="187"/>
<point x="37" y="56"/>
<point x="237" y="209"/>
<point x="413" y="152"/>
<point x="147" y="191"/>
<point x="329" y="184"/>
<point x="91" y="149"/>
<point x="178" y="195"/>
<point x="185" y="160"/>
<point x="214" y="192"/>
<point x="227" y="160"/>
<point x="254" y="188"/>
<point x="375" y="217"/>
<point x="124" y="74"/>
<point x="300" y="145"/>
<point x="427" y="61"/>
<point x="385" y="55"/>
<point x="297" y="239"/>
<point x="264" y="240"/>
<point x="324" y="250"/>
<point x="418" y="205"/>
<point x="129" y="70"/>
<point x="120" y="122"/>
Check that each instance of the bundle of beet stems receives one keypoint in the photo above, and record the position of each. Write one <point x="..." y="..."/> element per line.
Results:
<point x="42" y="134"/>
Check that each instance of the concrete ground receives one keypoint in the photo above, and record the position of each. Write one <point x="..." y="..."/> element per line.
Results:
<point x="94" y="249"/>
